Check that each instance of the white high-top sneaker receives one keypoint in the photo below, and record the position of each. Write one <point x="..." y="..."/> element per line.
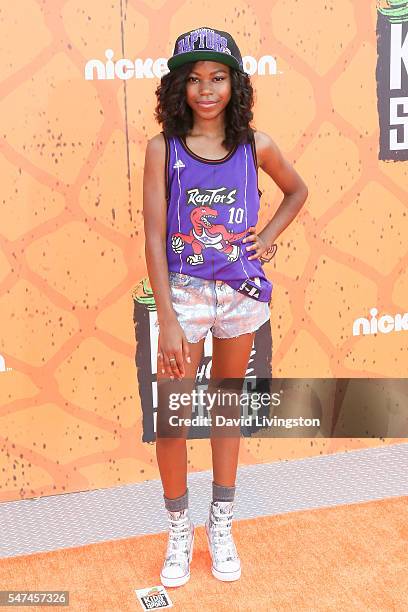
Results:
<point x="226" y="565"/>
<point x="176" y="567"/>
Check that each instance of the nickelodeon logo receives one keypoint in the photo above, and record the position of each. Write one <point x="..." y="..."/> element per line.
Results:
<point x="150" y="68"/>
<point x="384" y="324"/>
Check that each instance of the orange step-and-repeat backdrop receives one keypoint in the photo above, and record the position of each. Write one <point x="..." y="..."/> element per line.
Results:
<point x="78" y="82"/>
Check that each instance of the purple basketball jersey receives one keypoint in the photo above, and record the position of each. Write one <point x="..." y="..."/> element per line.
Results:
<point x="211" y="204"/>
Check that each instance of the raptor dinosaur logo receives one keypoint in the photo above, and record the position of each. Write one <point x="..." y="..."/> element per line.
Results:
<point x="205" y="234"/>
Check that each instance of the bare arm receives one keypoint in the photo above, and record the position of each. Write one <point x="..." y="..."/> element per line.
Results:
<point x="172" y="344"/>
<point x="155" y="224"/>
<point x="270" y="159"/>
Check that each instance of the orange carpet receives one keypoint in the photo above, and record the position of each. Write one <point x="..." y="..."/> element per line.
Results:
<point x="343" y="558"/>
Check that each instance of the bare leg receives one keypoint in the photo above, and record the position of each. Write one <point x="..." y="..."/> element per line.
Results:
<point x="230" y="360"/>
<point x="171" y="453"/>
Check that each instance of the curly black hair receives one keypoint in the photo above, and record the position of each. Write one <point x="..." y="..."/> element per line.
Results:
<point x="176" y="117"/>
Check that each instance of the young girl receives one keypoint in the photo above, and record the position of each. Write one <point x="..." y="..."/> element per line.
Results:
<point x="203" y="254"/>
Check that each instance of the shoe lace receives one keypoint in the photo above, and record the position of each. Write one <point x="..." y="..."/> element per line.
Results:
<point x="178" y="538"/>
<point x="222" y="536"/>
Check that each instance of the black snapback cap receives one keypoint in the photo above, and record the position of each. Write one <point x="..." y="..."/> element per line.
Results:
<point x="206" y="44"/>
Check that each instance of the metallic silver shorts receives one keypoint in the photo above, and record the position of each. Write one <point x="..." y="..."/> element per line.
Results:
<point x="203" y="305"/>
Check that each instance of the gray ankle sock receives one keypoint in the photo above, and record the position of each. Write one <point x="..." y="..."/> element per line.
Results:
<point x="221" y="493"/>
<point x="176" y="504"/>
